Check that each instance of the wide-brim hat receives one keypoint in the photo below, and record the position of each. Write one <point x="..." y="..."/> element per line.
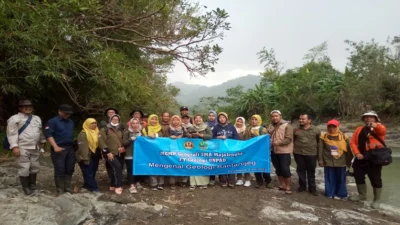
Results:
<point x="25" y="103"/>
<point x="370" y="113"/>
<point x="136" y="110"/>
<point x="111" y="108"/>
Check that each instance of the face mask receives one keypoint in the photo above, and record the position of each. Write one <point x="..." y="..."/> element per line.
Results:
<point x="114" y="124"/>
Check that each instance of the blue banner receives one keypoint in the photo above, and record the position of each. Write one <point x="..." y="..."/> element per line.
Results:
<point x="195" y="157"/>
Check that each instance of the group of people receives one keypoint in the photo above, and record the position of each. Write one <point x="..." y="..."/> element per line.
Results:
<point x="113" y="141"/>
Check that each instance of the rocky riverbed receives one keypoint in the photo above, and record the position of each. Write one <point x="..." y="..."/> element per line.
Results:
<point x="210" y="206"/>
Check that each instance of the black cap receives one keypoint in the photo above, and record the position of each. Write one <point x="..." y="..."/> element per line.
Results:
<point x="185" y="116"/>
<point x="136" y="110"/>
<point x="111" y="108"/>
<point x="184" y="108"/>
<point x="65" y="108"/>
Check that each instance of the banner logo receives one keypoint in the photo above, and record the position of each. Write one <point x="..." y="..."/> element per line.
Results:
<point x="188" y="145"/>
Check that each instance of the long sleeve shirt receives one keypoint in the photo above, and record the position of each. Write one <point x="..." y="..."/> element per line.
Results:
<point x="30" y="137"/>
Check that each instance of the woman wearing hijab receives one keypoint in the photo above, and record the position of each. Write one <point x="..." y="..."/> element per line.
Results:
<point x="113" y="152"/>
<point x="175" y="131"/>
<point x="256" y="129"/>
<point x="240" y="126"/>
<point x="199" y="130"/>
<point x="225" y="130"/>
<point x="130" y="135"/>
<point x="88" y="154"/>
<point x="212" y="122"/>
<point x="153" y="130"/>
<point x="334" y="155"/>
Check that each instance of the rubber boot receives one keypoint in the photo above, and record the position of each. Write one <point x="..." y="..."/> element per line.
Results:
<point x="362" y="193"/>
<point x="377" y="198"/>
<point x="59" y="184"/>
<point x="32" y="181"/>
<point x="25" y="185"/>
<point x="67" y="182"/>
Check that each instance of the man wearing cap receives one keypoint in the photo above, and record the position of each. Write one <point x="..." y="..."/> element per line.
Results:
<point x="305" y="152"/>
<point x="59" y="133"/>
<point x="24" y="134"/>
<point x="363" y="140"/>
<point x="185" y="112"/>
<point x="281" y="147"/>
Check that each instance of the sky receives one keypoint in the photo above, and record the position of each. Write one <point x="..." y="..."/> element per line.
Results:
<point x="291" y="28"/>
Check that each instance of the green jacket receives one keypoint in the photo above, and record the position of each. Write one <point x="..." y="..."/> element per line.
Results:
<point x="129" y="143"/>
<point x="324" y="154"/>
<point x="111" y="139"/>
<point x="207" y="133"/>
<point x="83" y="153"/>
<point x="248" y="134"/>
<point x="306" y="141"/>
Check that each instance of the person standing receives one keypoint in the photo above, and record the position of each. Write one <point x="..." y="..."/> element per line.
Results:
<point x="334" y="155"/>
<point x="165" y="123"/>
<point x="138" y="114"/>
<point x="113" y="152"/>
<point x="88" y="154"/>
<point x="59" y="133"/>
<point x="224" y="130"/>
<point x="240" y="126"/>
<point x="256" y="129"/>
<point x="365" y="139"/>
<point x="185" y="112"/>
<point x="153" y="130"/>
<point x="134" y="130"/>
<point x="281" y="147"/>
<point x="175" y="131"/>
<point x="306" y="141"/>
<point x="24" y="134"/>
<point x="199" y="130"/>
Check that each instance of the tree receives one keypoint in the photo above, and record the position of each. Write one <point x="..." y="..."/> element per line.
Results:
<point x="101" y="53"/>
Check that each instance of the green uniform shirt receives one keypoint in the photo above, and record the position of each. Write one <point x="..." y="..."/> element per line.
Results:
<point x="306" y="142"/>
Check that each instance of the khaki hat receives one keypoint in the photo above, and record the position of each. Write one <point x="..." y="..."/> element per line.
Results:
<point x="25" y="103"/>
<point x="371" y="113"/>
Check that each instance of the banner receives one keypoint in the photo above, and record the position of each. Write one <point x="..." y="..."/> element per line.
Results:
<point x="196" y="157"/>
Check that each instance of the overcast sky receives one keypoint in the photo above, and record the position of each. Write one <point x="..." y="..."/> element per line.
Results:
<point x="292" y="27"/>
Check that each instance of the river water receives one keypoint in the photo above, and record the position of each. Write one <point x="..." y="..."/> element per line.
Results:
<point x="391" y="182"/>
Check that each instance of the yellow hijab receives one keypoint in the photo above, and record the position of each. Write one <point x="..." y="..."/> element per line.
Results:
<point x="153" y="129"/>
<point x="255" y="130"/>
<point x="91" y="135"/>
<point x="340" y="143"/>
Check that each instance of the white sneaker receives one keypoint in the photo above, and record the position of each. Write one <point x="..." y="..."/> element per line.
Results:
<point x="247" y="183"/>
<point x="133" y="190"/>
<point x="239" y="183"/>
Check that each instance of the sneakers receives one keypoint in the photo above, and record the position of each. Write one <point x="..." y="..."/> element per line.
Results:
<point x="224" y="185"/>
<point x="160" y="187"/>
<point x="154" y="188"/>
<point x="239" y="183"/>
<point x="133" y="190"/>
<point x="191" y="188"/>
<point x="247" y="183"/>
<point x="203" y="187"/>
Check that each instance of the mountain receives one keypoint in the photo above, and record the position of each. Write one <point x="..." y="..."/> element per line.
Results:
<point x="190" y="94"/>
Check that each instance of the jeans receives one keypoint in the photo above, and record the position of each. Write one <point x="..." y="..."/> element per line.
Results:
<point x="89" y="173"/>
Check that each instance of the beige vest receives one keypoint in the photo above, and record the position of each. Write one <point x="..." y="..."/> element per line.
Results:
<point x="278" y="135"/>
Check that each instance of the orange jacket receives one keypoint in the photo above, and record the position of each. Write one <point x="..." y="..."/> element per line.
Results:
<point x="379" y="130"/>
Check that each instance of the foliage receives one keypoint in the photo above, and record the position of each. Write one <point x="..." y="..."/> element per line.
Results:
<point x="370" y="81"/>
<point x="95" y="54"/>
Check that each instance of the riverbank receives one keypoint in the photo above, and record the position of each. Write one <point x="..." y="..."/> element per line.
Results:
<point x="210" y="206"/>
